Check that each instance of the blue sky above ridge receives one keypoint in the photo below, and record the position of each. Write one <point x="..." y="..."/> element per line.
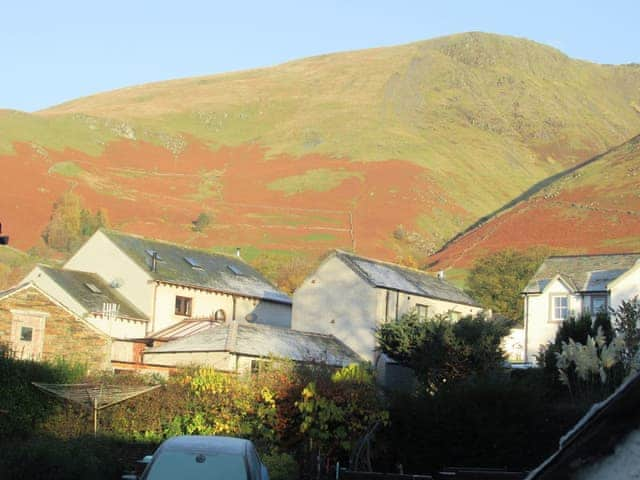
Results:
<point x="57" y="51"/>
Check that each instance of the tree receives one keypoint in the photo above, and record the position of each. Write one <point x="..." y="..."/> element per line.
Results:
<point x="70" y="223"/>
<point x="202" y="222"/>
<point x="441" y="351"/>
<point x="496" y="280"/>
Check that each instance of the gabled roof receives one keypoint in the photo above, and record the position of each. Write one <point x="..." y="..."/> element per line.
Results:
<point x="586" y="273"/>
<point x="596" y="434"/>
<point x="91" y="292"/>
<point x="404" y="279"/>
<point x="197" y="268"/>
<point x="263" y="341"/>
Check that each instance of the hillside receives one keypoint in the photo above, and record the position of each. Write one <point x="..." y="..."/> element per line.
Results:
<point x="392" y="151"/>
<point x="594" y="209"/>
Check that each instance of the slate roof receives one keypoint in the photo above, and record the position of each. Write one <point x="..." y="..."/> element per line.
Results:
<point x="264" y="341"/>
<point x="596" y="435"/>
<point x="197" y="268"/>
<point x="582" y="273"/>
<point x="78" y="285"/>
<point x="409" y="280"/>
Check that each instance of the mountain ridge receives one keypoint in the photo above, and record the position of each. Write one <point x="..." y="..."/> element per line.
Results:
<point x="446" y="131"/>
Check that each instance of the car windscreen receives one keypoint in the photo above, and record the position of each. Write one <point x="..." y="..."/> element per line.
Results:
<point x="196" y="466"/>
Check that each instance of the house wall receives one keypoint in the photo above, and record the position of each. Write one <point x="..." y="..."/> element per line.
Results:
<point x="219" y="360"/>
<point x="335" y="300"/>
<point x="626" y="288"/>
<point x="63" y="336"/>
<point x="100" y="255"/>
<point x="205" y="303"/>
<point x="119" y="327"/>
<point x="407" y="303"/>
<point x="541" y="329"/>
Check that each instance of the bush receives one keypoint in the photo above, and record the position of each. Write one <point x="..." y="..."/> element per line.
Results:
<point x="281" y="466"/>
<point x="202" y="222"/>
<point x="441" y="351"/>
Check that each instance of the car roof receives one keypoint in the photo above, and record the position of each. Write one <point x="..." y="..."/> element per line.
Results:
<point x="206" y="444"/>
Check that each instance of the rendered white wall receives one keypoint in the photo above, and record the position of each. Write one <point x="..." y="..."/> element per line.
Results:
<point x="101" y="256"/>
<point x="334" y="300"/>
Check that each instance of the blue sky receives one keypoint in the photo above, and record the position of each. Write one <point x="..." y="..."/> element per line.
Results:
<point x="53" y="51"/>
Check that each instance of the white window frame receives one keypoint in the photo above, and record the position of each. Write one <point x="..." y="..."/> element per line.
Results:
<point x="184" y="306"/>
<point x="422" y="311"/>
<point x="552" y="305"/>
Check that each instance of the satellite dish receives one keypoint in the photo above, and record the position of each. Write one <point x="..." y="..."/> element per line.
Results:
<point x="117" y="282"/>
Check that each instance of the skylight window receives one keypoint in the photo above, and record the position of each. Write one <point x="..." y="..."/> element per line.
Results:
<point x="151" y="253"/>
<point x="93" y="288"/>
<point x="193" y="262"/>
<point x="234" y="269"/>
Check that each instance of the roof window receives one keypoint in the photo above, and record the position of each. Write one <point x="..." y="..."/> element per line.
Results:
<point x="235" y="269"/>
<point x="193" y="262"/>
<point x="93" y="288"/>
<point x="153" y="253"/>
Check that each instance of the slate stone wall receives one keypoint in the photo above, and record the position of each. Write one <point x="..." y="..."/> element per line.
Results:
<point x="65" y="336"/>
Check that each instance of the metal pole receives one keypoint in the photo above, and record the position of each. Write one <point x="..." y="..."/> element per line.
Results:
<point x="95" y="416"/>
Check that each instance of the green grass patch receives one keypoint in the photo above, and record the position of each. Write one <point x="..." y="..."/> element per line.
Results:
<point x="457" y="276"/>
<point x="66" y="169"/>
<point x="317" y="180"/>
<point x="629" y="243"/>
<point x="319" y="237"/>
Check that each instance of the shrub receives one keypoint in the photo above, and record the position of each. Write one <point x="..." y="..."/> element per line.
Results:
<point x="281" y="466"/>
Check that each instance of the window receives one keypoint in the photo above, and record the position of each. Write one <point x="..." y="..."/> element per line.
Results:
<point x="183" y="306"/>
<point x="93" y="287"/>
<point x="454" y="316"/>
<point x="26" y="334"/>
<point x="598" y="304"/>
<point x="559" y="308"/>
<point x="422" y="311"/>
<point x="234" y="269"/>
<point x="194" y="263"/>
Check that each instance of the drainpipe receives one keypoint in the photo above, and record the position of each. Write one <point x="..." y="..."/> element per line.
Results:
<point x="526" y="328"/>
<point x="153" y="307"/>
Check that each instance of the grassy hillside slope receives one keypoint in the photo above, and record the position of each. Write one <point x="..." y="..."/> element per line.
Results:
<point x="391" y="150"/>
<point x="594" y="209"/>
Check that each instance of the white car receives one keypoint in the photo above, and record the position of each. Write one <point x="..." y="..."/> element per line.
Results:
<point x="197" y="457"/>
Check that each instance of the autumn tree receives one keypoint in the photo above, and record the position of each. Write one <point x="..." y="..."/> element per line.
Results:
<point x="70" y="223"/>
<point x="496" y="280"/>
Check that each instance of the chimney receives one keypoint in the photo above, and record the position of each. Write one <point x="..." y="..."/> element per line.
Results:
<point x="237" y="251"/>
<point x="154" y="262"/>
<point x="441" y="275"/>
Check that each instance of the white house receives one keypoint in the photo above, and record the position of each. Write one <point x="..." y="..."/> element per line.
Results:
<point x="349" y="296"/>
<point x="170" y="283"/>
<point x="566" y="286"/>
<point x="89" y="297"/>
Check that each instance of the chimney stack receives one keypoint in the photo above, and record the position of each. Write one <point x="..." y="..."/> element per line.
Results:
<point x="154" y="262"/>
<point x="237" y="251"/>
<point x="441" y="275"/>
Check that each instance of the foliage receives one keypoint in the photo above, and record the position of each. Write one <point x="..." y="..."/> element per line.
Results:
<point x="202" y="222"/>
<point x="592" y="357"/>
<point x="440" y="351"/>
<point x="479" y="421"/>
<point x="281" y="466"/>
<point x="70" y="223"/>
<point x="627" y="326"/>
<point x="496" y="280"/>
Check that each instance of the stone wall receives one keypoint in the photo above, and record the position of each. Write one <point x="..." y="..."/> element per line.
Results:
<point x="64" y="336"/>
